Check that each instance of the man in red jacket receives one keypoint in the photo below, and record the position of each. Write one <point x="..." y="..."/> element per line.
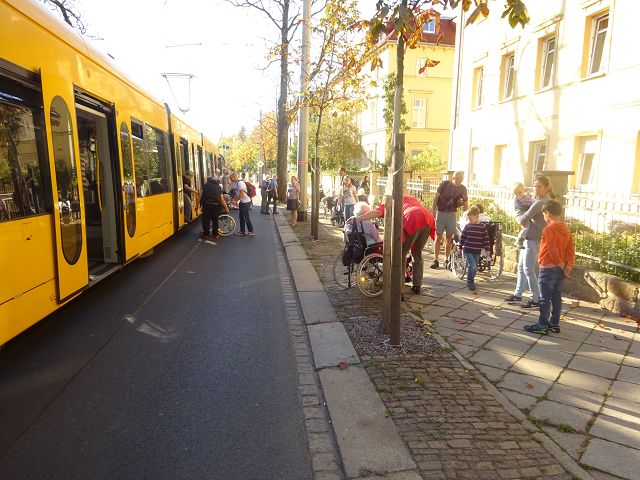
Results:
<point x="418" y="225"/>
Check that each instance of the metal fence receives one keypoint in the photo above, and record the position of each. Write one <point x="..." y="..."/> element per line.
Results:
<point x="605" y="225"/>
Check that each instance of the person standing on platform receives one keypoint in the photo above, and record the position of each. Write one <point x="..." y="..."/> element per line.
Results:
<point x="244" y="204"/>
<point x="449" y="197"/>
<point x="293" y="189"/>
<point x="265" y="187"/>
<point x="187" y="191"/>
<point x="273" y="194"/>
<point x="212" y="201"/>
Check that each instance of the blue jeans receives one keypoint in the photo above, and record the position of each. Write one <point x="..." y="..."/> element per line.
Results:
<point x="348" y="212"/>
<point x="550" y="280"/>
<point x="472" y="266"/>
<point x="527" y="266"/>
<point x="244" y="216"/>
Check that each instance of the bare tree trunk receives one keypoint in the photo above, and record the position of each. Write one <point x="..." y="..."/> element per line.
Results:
<point x="315" y="186"/>
<point x="396" y="261"/>
<point x="283" y="122"/>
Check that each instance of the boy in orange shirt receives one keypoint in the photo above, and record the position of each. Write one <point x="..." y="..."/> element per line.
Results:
<point x="556" y="258"/>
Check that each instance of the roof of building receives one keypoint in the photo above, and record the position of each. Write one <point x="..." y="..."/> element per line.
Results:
<point x="447" y="30"/>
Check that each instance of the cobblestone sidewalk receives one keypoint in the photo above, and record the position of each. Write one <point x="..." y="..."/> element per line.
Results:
<point x="449" y="416"/>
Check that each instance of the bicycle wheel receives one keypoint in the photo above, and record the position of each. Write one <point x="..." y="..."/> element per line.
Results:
<point x="458" y="264"/>
<point x="343" y="276"/>
<point x="370" y="275"/>
<point x="226" y="224"/>
<point x="496" y="267"/>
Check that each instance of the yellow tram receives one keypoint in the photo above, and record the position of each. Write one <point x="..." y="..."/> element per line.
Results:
<point x="91" y="166"/>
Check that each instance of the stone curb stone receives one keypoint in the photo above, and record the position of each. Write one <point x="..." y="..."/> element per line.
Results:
<point x="359" y="422"/>
<point x="612" y="458"/>
<point x="316" y="307"/>
<point x="331" y="345"/>
<point x="305" y="276"/>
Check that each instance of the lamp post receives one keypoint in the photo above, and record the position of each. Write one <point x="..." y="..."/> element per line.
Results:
<point x="303" y="116"/>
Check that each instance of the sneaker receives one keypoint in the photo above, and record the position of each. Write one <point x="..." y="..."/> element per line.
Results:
<point x="216" y="238"/>
<point x="447" y="265"/>
<point x="407" y="279"/>
<point x="555" y="329"/>
<point x="251" y="234"/>
<point x="435" y="264"/>
<point x="472" y="287"/>
<point x="535" y="328"/>
<point x="530" y="304"/>
<point x="513" y="299"/>
<point x="415" y="289"/>
<point x="240" y="234"/>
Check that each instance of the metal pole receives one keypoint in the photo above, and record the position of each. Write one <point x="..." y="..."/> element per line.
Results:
<point x="303" y="115"/>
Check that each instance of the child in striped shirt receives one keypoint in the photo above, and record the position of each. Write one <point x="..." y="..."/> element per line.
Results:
<point x="473" y="241"/>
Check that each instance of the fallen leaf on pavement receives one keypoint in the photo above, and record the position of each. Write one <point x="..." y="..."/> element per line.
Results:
<point x="601" y="325"/>
<point x="343" y="365"/>
<point x="463" y="322"/>
<point x="528" y="385"/>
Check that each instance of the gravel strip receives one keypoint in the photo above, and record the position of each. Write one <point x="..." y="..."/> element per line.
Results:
<point x="369" y="341"/>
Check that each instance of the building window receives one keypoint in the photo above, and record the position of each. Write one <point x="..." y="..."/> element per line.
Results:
<point x="548" y="61"/>
<point x="587" y="161"/>
<point x="501" y="165"/>
<point x="373" y="118"/>
<point x="538" y="158"/>
<point x="421" y="69"/>
<point x="508" y="75"/>
<point x="473" y="162"/>
<point x="599" y="27"/>
<point x="415" y="153"/>
<point x="478" y="78"/>
<point x="419" y="114"/>
<point x="430" y="26"/>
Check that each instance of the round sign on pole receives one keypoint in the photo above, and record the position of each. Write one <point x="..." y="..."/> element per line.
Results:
<point x="260" y="164"/>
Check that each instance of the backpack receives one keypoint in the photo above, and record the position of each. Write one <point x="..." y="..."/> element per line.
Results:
<point x="251" y="189"/>
<point x="353" y="251"/>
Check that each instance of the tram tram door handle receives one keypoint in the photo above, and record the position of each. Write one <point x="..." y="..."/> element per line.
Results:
<point x="26" y="231"/>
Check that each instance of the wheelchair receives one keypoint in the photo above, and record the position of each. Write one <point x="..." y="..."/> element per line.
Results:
<point x="364" y="271"/>
<point x="492" y="264"/>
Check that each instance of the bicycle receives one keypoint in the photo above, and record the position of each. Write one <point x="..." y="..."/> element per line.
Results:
<point x="493" y="263"/>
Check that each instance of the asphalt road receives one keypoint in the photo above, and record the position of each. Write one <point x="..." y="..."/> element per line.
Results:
<point x="178" y="367"/>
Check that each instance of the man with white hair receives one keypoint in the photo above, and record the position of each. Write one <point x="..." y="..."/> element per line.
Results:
<point x="449" y="198"/>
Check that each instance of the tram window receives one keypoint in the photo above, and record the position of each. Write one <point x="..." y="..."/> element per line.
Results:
<point x="67" y="181"/>
<point x="158" y="160"/>
<point x="140" y="160"/>
<point x="129" y="183"/>
<point x="24" y="171"/>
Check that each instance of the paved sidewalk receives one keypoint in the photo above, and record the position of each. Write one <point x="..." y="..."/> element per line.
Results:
<point x="581" y="387"/>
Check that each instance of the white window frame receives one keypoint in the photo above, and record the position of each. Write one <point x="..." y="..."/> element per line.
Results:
<point x="539" y="157"/>
<point x="509" y="66"/>
<point x="421" y="62"/>
<point x="430" y="26"/>
<point x="598" y="34"/>
<point x="585" y="156"/>
<point x="474" y="157"/>
<point x="478" y="79"/>
<point x="373" y="114"/>
<point x="549" y="58"/>
<point x="419" y="113"/>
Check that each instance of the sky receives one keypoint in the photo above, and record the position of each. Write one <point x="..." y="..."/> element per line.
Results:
<point x="222" y="46"/>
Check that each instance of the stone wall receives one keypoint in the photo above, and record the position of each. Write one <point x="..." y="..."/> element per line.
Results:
<point x="612" y="293"/>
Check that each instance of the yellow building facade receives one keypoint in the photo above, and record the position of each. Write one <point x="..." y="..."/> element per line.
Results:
<point x="560" y="94"/>
<point x="427" y="95"/>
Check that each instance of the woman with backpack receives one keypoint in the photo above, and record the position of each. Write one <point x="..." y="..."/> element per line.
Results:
<point x="293" y="189"/>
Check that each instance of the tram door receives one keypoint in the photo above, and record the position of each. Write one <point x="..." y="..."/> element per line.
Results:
<point x="98" y="177"/>
<point x="203" y="178"/>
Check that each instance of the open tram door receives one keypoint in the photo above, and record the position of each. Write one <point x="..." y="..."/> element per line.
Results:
<point x="98" y="176"/>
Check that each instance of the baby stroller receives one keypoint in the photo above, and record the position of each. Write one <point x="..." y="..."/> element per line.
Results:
<point x="493" y="263"/>
<point x="337" y="214"/>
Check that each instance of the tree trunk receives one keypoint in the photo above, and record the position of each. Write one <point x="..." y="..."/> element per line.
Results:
<point x="283" y="123"/>
<point x="395" y="261"/>
<point x="315" y="186"/>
